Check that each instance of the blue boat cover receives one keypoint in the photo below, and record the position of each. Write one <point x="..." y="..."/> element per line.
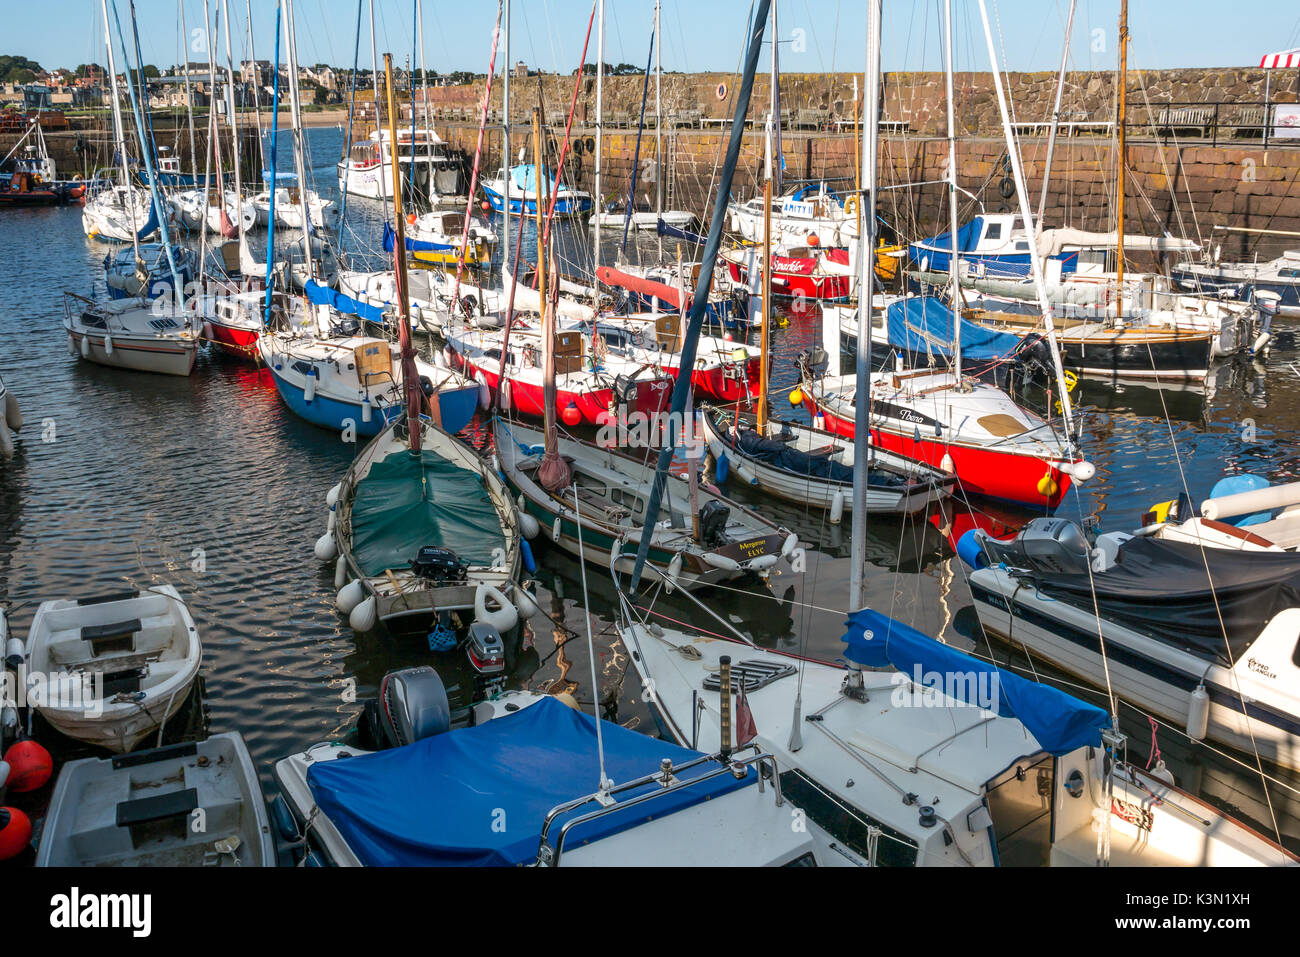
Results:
<point x="412" y="245"/>
<point x="479" y="796"/>
<point x="323" y="295"/>
<point x="676" y="232"/>
<point x="925" y="325"/>
<point x="968" y="237"/>
<point x="525" y="178"/>
<point x="1060" y="722"/>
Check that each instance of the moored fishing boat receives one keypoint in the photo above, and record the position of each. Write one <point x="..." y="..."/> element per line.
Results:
<point x="798" y="272"/>
<point x="519" y="186"/>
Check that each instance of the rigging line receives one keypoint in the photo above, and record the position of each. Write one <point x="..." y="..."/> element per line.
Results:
<point x="1164" y="166"/>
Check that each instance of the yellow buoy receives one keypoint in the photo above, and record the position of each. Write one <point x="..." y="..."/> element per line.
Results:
<point x="1047" y="486"/>
<point x="796" y="398"/>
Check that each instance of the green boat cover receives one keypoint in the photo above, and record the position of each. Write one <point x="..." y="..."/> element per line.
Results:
<point x="404" y="504"/>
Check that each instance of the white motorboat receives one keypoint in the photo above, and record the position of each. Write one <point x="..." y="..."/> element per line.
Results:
<point x="193" y="804"/>
<point x="1203" y="638"/>
<point x="288" y="208"/>
<point x="811" y="210"/>
<point x="422" y="158"/>
<point x="131" y="334"/>
<point x="112" y="670"/>
<point x="529" y="760"/>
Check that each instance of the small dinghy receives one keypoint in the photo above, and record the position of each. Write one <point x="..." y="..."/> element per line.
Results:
<point x="607" y="498"/>
<point x="815" y="467"/>
<point x="193" y="804"/>
<point x="513" y="789"/>
<point x="112" y="670"/>
<point x="130" y="334"/>
<point x="1243" y="513"/>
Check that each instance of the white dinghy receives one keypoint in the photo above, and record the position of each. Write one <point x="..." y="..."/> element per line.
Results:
<point x="112" y="670"/>
<point x="192" y="804"/>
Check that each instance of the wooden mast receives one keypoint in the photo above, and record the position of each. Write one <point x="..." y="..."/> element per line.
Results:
<point x="410" y="377"/>
<point x="1119" y="185"/>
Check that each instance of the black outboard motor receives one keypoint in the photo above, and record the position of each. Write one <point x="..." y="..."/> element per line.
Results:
<point x="1051" y="545"/>
<point x="810" y="360"/>
<point x="1033" y="362"/>
<point x="487" y="655"/>
<point x="412" y="706"/>
<point x="713" y="523"/>
<point x="438" y="565"/>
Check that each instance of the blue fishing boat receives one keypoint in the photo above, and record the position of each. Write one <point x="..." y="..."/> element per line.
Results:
<point x="991" y="244"/>
<point x="521" y="186"/>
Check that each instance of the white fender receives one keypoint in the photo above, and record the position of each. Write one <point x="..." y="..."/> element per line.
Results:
<point x="340" y="572"/>
<point x="72" y="345"/>
<point x="207" y="330"/>
<point x="85" y="347"/>
<point x="332" y="496"/>
<point x="484" y="394"/>
<point x="762" y="563"/>
<point x="674" y="572"/>
<point x="837" y="507"/>
<point x="13" y="414"/>
<point x="528" y="524"/>
<point x="350" y="596"/>
<point x="505" y="395"/>
<point x="365" y="409"/>
<point x="525" y="602"/>
<point x="325" y="547"/>
<point x="789" y="545"/>
<point x="364" y="615"/>
<point x="15" y="651"/>
<point x="745" y="472"/>
<point x="715" y="560"/>
<point x="947" y="464"/>
<point x="1198" y="714"/>
<point x="555" y="529"/>
<point x="108" y="345"/>
<point x="504" y="618"/>
<point x="309" y="387"/>
<point x="331" y="517"/>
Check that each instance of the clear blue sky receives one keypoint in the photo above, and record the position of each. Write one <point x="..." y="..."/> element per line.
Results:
<point x="818" y="35"/>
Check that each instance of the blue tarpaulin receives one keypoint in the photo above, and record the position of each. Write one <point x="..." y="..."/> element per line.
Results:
<point x="665" y="229"/>
<point x="968" y="237"/>
<point x="1060" y="722"/>
<point x="479" y="796"/>
<point x="925" y="325"/>
<point x="323" y="295"/>
<point x="414" y="245"/>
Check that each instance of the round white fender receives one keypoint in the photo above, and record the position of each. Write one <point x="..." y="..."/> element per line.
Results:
<point x="525" y="602"/>
<point x="947" y="464"/>
<point x="674" y="572"/>
<point x="364" y="615"/>
<point x="837" y="507"/>
<point x="505" y="395"/>
<point x="325" y="548"/>
<point x="761" y="564"/>
<point x="1082" y="471"/>
<point x="528" y="524"/>
<point x="715" y="560"/>
<point x="72" y="345"/>
<point x="506" y="615"/>
<point x="85" y="347"/>
<point x="13" y="414"/>
<point x="108" y="345"/>
<point x="332" y="496"/>
<point x="350" y="596"/>
<point x="340" y="572"/>
<point x="309" y="387"/>
<point x="789" y="545"/>
<point x="555" y="529"/>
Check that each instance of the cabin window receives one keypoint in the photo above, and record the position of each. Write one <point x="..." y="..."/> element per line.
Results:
<point x="1022" y="247"/>
<point x="303" y="367"/>
<point x="994" y="231"/>
<point x="1288" y="273"/>
<point x="1020" y="802"/>
<point x="892" y="850"/>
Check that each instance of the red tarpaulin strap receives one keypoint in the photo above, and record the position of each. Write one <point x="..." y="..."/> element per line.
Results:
<point x="646" y="287"/>
<point x="478" y="153"/>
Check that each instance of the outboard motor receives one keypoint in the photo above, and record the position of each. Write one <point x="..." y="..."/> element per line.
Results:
<point x="808" y="361"/>
<point x="1266" y="303"/>
<point x="412" y="706"/>
<point x="435" y="564"/>
<point x="1052" y="545"/>
<point x="1033" y="359"/>
<point x="713" y="523"/>
<point x="487" y="654"/>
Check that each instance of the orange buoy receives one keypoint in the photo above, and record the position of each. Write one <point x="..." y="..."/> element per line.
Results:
<point x="571" y="414"/>
<point x="15" y="832"/>
<point x="814" y="240"/>
<point x="410" y="219"/>
<point x="30" y="765"/>
<point x="486" y="206"/>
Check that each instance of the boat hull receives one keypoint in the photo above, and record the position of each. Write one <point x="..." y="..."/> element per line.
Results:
<point x="138" y="355"/>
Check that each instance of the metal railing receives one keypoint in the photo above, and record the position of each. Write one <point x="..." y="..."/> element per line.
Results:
<point x="1229" y="122"/>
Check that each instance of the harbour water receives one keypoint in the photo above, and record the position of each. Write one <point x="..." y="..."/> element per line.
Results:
<point x="211" y="484"/>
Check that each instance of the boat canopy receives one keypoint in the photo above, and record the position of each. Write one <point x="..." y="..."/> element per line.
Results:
<point x="1060" y="722"/>
<point x="324" y="295"/>
<point x="1052" y="242"/>
<point x="675" y="232"/>
<point x="438" y="802"/>
<point x="405" y="503"/>
<point x="925" y="325"/>
<point x="1161" y="588"/>
<point x="968" y="237"/>
<point x="525" y="178"/>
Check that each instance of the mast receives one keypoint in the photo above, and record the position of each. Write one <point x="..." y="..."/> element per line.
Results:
<point x="1056" y="111"/>
<point x="119" y="133"/>
<point x="410" y="377"/>
<point x="299" y="147"/>
<point x="699" y="304"/>
<point x="214" y="128"/>
<point x="1031" y="232"/>
<point x="1120" y="158"/>
<point x="953" y="280"/>
<point x="775" y="105"/>
<point x="257" y="91"/>
<point x="234" y="122"/>
<point x="862" y="397"/>
<point x="275" y="132"/>
<point x="766" y="324"/>
<point x="659" y="135"/>
<point x="374" y="75"/>
<point x="505" y="151"/>
<point x="189" y="99"/>
<point x="600" y="129"/>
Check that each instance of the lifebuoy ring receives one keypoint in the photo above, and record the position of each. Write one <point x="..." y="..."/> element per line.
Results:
<point x="721" y="91"/>
<point x="851" y="207"/>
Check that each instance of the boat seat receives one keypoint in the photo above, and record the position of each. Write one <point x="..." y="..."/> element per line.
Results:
<point x="74" y="648"/>
<point x="148" y="818"/>
<point x="111" y="637"/>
